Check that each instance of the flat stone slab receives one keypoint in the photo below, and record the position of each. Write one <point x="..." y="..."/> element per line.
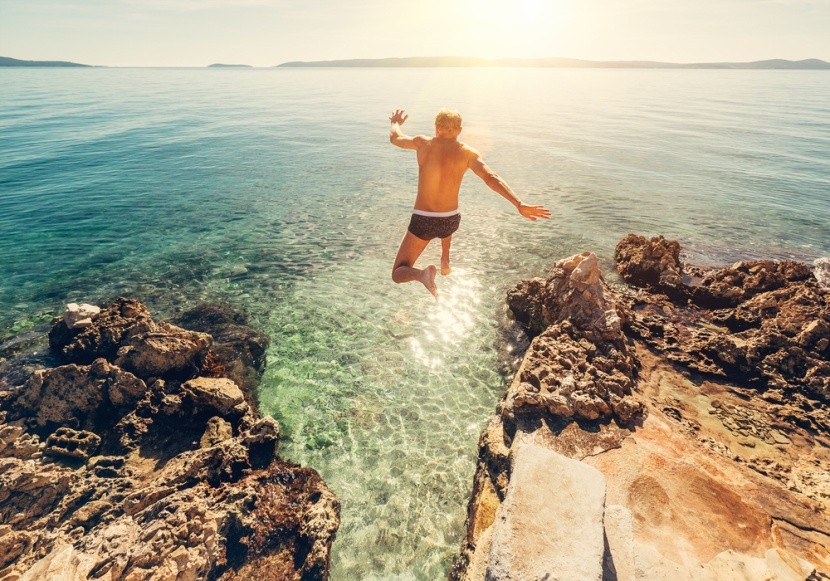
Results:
<point x="550" y="525"/>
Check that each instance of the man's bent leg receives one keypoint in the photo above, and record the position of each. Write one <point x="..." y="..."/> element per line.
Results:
<point x="445" y="255"/>
<point x="404" y="268"/>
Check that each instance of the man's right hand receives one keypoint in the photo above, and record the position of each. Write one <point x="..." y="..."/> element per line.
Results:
<point x="533" y="212"/>
<point x="399" y="116"/>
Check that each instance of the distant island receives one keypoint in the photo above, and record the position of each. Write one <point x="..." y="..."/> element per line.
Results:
<point x="224" y="66"/>
<point x="556" y="62"/>
<point x="10" y="62"/>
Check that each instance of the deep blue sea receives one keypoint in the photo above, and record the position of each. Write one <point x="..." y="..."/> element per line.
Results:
<point x="278" y="192"/>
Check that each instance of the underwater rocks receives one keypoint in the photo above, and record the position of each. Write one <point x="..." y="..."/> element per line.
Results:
<point x="133" y="460"/>
<point x="700" y="397"/>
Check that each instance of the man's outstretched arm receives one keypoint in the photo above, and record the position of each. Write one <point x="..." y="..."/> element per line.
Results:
<point x="498" y="185"/>
<point x="397" y="137"/>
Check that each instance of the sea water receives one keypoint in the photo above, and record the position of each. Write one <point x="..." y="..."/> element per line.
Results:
<point x="277" y="191"/>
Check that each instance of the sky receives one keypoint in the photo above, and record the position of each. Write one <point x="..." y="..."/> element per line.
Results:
<point x="270" y="32"/>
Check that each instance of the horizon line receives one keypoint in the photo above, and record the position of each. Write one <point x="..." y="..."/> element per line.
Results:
<point x="444" y="61"/>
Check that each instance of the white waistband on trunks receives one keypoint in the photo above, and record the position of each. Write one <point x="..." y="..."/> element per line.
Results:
<point x="436" y="214"/>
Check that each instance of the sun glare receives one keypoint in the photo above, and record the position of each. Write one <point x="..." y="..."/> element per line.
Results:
<point x="499" y="28"/>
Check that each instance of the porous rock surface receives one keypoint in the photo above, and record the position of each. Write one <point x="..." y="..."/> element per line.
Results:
<point x="774" y="337"/>
<point x="580" y="364"/>
<point x="700" y="395"/>
<point x="163" y="470"/>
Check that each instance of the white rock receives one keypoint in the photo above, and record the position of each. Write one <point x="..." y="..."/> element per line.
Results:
<point x="550" y="525"/>
<point x="619" y="530"/>
<point x="63" y="563"/>
<point x="77" y="315"/>
<point x="821" y="270"/>
<point x="587" y="271"/>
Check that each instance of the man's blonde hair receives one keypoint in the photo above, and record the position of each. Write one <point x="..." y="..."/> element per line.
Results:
<point x="448" y="119"/>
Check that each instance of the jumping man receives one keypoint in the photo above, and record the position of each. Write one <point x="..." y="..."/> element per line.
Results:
<point x="442" y="162"/>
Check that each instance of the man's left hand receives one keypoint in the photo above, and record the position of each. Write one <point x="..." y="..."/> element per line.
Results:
<point x="399" y="116"/>
<point x="533" y="212"/>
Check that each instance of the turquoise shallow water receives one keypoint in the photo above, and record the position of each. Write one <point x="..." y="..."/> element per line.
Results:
<point x="278" y="192"/>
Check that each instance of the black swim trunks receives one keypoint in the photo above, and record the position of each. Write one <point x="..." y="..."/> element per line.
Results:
<point x="429" y="225"/>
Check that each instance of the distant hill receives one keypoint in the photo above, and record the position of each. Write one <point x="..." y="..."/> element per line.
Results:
<point x="224" y="66"/>
<point x="10" y="62"/>
<point x="556" y="62"/>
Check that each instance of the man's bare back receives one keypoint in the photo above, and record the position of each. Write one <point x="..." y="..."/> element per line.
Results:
<point x="442" y="162"/>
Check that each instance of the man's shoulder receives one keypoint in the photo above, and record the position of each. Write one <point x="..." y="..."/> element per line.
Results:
<point x="470" y="151"/>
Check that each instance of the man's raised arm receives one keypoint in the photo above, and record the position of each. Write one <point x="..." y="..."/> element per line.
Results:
<point x="498" y="185"/>
<point x="397" y="137"/>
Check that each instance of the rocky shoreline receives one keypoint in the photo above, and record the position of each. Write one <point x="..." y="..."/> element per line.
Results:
<point x="676" y="427"/>
<point x="673" y="428"/>
<point x="136" y="451"/>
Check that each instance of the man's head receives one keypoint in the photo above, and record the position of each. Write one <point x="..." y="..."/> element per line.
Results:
<point x="448" y="123"/>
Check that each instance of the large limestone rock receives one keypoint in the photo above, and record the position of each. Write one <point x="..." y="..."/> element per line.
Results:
<point x="550" y="525"/>
<point x="63" y="563"/>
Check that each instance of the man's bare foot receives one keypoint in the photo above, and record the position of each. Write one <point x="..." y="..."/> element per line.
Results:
<point x="445" y="268"/>
<point x="428" y="278"/>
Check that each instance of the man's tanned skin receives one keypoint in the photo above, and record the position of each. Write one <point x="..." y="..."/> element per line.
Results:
<point x="442" y="162"/>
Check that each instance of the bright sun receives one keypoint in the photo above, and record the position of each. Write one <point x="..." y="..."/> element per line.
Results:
<point x="513" y="28"/>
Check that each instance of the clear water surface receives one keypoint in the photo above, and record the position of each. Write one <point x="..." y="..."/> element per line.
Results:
<point x="277" y="191"/>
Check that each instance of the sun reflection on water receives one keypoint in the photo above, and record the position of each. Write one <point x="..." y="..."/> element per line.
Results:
<point x="450" y="320"/>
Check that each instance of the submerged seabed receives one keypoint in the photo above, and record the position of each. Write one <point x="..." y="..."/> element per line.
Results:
<point x="277" y="191"/>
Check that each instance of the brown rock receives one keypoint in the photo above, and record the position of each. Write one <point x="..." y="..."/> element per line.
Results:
<point x="166" y="351"/>
<point x="217" y="430"/>
<point x="651" y="263"/>
<point x="73" y="395"/>
<point x="775" y="336"/>
<point x="220" y="395"/>
<point x="103" y="337"/>
<point x="727" y="287"/>
<point x="153" y="504"/>
<point x="74" y="444"/>
<point x="12" y="545"/>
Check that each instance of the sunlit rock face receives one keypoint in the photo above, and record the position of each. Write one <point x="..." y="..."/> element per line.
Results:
<point x="138" y="458"/>
<point x="768" y="328"/>
<point x="579" y="365"/>
<point x="700" y="396"/>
